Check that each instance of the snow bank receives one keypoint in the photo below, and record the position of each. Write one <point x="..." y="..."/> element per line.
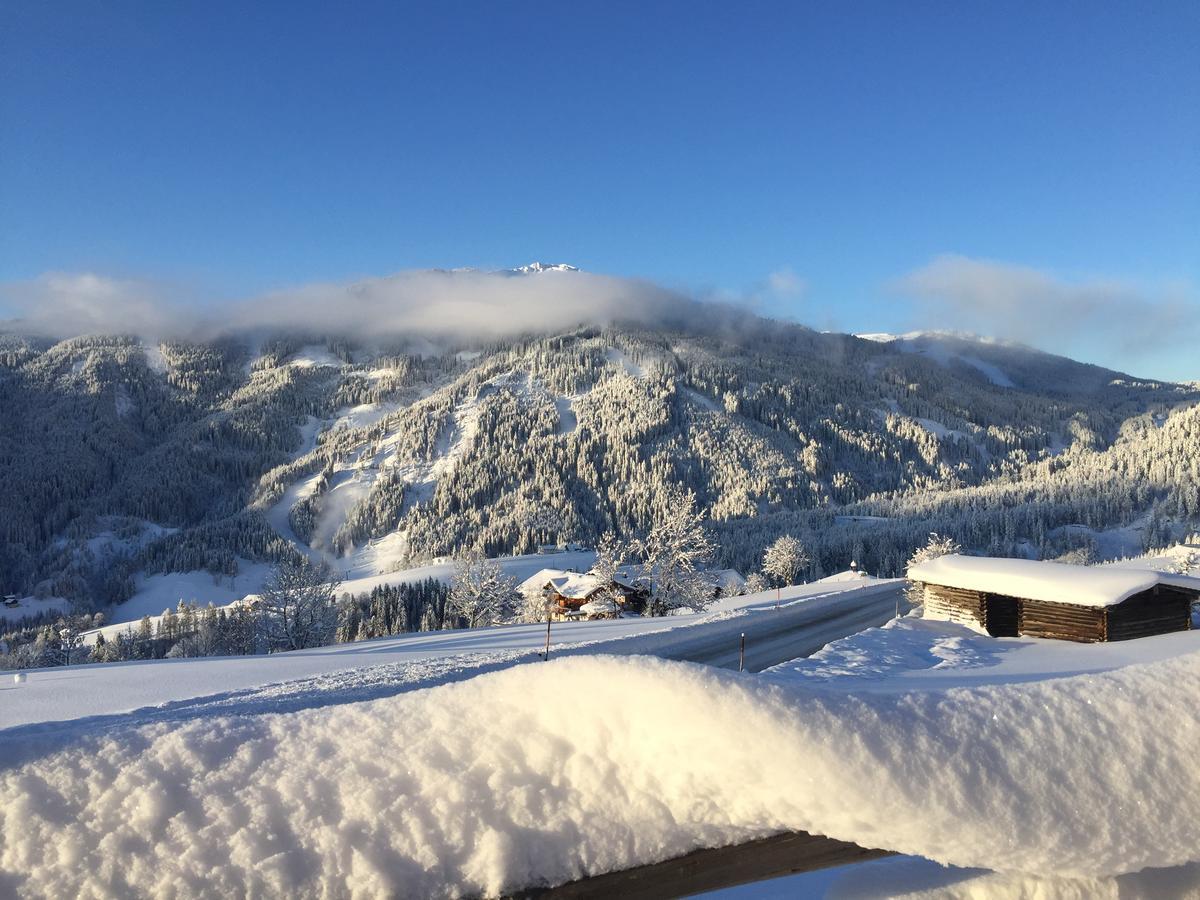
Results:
<point x="543" y="773"/>
<point x="1046" y="581"/>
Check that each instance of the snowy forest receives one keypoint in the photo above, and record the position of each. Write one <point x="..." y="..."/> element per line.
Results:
<point x="135" y="459"/>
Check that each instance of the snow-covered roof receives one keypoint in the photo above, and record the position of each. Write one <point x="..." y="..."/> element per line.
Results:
<point x="572" y="585"/>
<point x="539" y="580"/>
<point x="727" y="578"/>
<point x="1047" y="581"/>
<point x="576" y="587"/>
<point x="631" y="579"/>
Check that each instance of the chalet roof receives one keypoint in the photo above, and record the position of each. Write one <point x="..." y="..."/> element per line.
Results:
<point x="631" y="579"/>
<point x="539" y="580"/>
<point x="572" y="585"/>
<point x="726" y="578"/>
<point x="1046" y="581"/>
<point x="576" y="587"/>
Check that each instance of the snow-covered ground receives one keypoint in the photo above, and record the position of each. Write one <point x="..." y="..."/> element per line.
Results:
<point x="33" y="606"/>
<point x="372" y="668"/>
<point x="1068" y="762"/>
<point x="156" y="593"/>
<point x="541" y="773"/>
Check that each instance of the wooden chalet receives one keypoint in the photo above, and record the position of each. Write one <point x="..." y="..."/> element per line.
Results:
<point x="1011" y="597"/>
<point x="570" y="592"/>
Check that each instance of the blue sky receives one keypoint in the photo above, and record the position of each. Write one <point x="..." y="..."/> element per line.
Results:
<point x="1028" y="170"/>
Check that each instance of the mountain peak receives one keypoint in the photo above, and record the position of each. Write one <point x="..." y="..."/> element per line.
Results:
<point x="536" y="267"/>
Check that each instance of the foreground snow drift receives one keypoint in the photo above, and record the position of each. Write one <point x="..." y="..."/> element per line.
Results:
<point x="543" y="773"/>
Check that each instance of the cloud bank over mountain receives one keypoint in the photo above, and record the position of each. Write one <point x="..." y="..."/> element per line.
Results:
<point x="461" y="303"/>
<point x="1032" y="306"/>
<point x="1117" y="323"/>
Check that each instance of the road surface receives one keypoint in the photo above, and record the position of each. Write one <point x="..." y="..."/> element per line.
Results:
<point x="774" y="636"/>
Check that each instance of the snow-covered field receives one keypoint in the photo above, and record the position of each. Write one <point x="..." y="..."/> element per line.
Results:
<point x="367" y="669"/>
<point x="1015" y="755"/>
<point x="156" y="593"/>
<point x="33" y="606"/>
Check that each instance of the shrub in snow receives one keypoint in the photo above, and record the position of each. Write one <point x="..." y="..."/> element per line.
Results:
<point x="935" y="547"/>
<point x="756" y="583"/>
<point x="600" y="608"/>
<point x="1184" y="563"/>
<point x="1080" y="556"/>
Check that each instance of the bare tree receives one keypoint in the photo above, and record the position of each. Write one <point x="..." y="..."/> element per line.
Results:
<point x="784" y="560"/>
<point x="71" y="640"/>
<point x="611" y="552"/>
<point x="536" y="605"/>
<point x="298" y="605"/>
<point x="674" y="555"/>
<point x="481" y="593"/>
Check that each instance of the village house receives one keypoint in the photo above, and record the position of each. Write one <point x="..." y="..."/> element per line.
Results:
<point x="1021" y="597"/>
<point x="569" y="592"/>
<point x="727" y="582"/>
<point x="575" y="595"/>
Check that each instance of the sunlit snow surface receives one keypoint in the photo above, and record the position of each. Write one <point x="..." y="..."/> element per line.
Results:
<point x="1030" y="757"/>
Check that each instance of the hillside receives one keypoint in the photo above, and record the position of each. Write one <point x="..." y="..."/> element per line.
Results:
<point x="138" y="457"/>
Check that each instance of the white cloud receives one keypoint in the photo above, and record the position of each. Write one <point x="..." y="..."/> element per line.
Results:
<point x="1029" y="305"/>
<point x="460" y="303"/>
<point x="464" y="303"/>
<point x="786" y="283"/>
<point x="60" y="305"/>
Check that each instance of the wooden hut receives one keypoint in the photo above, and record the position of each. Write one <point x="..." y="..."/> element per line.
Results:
<point x="1010" y="597"/>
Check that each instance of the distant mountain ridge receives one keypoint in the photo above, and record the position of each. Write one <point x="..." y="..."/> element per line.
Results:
<point x="135" y="458"/>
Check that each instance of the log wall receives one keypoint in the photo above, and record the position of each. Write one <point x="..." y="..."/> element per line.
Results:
<point x="1159" y="610"/>
<point x="1062" y="621"/>
<point x="995" y="613"/>
<point x="955" y="605"/>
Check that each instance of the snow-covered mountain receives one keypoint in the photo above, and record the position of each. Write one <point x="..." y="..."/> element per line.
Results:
<point x="535" y="268"/>
<point x="137" y="458"/>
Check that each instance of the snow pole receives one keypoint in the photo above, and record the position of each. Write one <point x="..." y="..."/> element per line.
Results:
<point x="742" y="652"/>
<point x="546" y="656"/>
